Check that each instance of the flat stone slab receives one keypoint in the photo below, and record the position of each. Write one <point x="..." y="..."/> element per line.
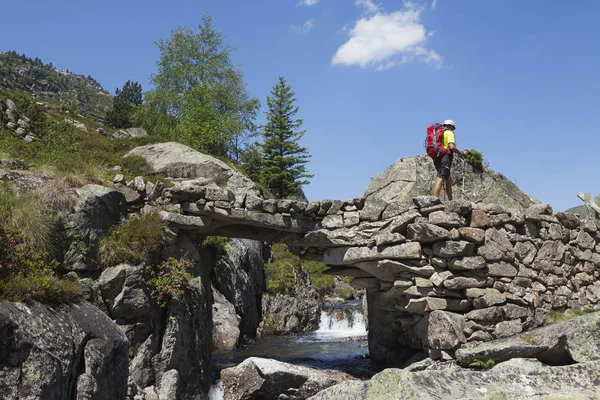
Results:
<point x="351" y="255"/>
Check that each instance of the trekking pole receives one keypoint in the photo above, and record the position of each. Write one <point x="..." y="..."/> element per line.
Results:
<point x="462" y="191"/>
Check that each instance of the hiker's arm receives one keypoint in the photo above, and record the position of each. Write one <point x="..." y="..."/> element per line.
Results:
<point x="455" y="149"/>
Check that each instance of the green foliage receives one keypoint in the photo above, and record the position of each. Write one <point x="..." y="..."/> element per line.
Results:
<point x="280" y="272"/>
<point x="65" y="150"/>
<point x="475" y="159"/>
<point x="216" y="244"/>
<point x="133" y="240"/>
<point x="561" y="316"/>
<point x="135" y="165"/>
<point x="124" y="103"/>
<point x="283" y="165"/>
<point x="479" y="364"/>
<point x="252" y="162"/>
<point x="26" y="271"/>
<point x="168" y="279"/>
<point x="323" y="282"/>
<point x="199" y="97"/>
<point x="280" y="276"/>
<point x="271" y="323"/>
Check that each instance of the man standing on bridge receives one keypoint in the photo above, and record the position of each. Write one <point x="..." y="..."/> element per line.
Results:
<point x="444" y="162"/>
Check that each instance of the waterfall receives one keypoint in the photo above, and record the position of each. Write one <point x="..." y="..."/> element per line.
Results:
<point x="216" y="391"/>
<point x="342" y="320"/>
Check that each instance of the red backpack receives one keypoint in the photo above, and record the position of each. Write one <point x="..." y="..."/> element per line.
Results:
<point x="434" y="141"/>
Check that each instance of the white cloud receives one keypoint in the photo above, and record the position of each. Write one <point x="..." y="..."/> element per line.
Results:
<point x="368" y="4"/>
<point x="434" y="4"/>
<point x="309" y="3"/>
<point x="304" y="28"/>
<point x="384" y="40"/>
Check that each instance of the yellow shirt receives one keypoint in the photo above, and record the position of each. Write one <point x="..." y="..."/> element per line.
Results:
<point x="448" y="137"/>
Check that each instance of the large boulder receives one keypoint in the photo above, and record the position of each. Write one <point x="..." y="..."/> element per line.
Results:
<point x="296" y="312"/>
<point x="414" y="176"/>
<point x="226" y="331"/>
<point x="514" y="379"/>
<point x="176" y="160"/>
<point x="577" y="340"/>
<point x="96" y="210"/>
<point x="61" y="352"/>
<point x="238" y="274"/>
<point x="265" y="379"/>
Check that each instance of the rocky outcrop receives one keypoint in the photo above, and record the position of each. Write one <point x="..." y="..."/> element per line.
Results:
<point x="295" y="312"/>
<point x="414" y="176"/>
<point x="226" y="331"/>
<point x="96" y="210"/>
<point x="14" y="121"/>
<point x="176" y="160"/>
<point x="515" y="379"/>
<point x="264" y="379"/>
<point x="239" y="276"/>
<point x="577" y="340"/>
<point x="130" y="133"/>
<point x="61" y="352"/>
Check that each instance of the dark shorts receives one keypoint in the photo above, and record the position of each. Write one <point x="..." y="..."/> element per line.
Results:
<point x="443" y="165"/>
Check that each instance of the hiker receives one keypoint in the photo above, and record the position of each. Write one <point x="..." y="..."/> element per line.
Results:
<point x="443" y="161"/>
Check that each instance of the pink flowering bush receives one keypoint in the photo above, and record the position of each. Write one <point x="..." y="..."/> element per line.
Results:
<point x="26" y="272"/>
<point x="168" y="279"/>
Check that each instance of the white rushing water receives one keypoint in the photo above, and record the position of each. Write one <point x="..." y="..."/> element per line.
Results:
<point x="216" y="391"/>
<point x="337" y="322"/>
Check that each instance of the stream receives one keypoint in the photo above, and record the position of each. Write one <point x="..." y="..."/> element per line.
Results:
<point x="340" y="344"/>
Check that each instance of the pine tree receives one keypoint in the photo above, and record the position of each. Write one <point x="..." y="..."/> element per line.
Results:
<point x="124" y="104"/>
<point x="284" y="160"/>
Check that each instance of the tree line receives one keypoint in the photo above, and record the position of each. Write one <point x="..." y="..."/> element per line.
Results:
<point x="199" y="98"/>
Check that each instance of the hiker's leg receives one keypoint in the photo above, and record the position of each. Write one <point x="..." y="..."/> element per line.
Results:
<point x="449" y="187"/>
<point x="438" y="186"/>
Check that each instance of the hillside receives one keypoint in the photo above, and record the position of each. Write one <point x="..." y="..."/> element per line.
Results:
<point x="79" y="94"/>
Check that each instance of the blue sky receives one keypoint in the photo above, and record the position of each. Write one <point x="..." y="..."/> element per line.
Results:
<point x="520" y="78"/>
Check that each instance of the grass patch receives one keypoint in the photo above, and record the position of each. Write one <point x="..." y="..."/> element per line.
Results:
<point x="29" y="212"/>
<point x="42" y="286"/>
<point x="561" y="316"/>
<point x="133" y="240"/>
<point x="323" y="282"/>
<point x="479" y="364"/>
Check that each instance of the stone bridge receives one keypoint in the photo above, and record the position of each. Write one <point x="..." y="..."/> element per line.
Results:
<point x="438" y="276"/>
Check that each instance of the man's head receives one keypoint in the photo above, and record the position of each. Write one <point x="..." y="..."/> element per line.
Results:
<point x="449" y="124"/>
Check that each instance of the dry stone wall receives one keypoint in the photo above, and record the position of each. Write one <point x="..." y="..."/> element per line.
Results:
<point x="438" y="276"/>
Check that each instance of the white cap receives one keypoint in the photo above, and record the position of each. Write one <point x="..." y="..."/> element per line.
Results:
<point x="450" y="122"/>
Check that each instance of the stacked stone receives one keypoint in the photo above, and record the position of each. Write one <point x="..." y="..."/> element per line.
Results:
<point x="480" y="271"/>
<point x="15" y="122"/>
<point x="500" y="271"/>
<point x="137" y="191"/>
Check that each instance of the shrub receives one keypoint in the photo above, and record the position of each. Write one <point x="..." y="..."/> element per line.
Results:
<point x="475" y="159"/>
<point x="280" y="276"/>
<point x="279" y="272"/>
<point x="324" y="283"/>
<point x="133" y="240"/>
<point x="216" y="244"/>
<point x="26" y="271"/>
<point x="168" y="279"/>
